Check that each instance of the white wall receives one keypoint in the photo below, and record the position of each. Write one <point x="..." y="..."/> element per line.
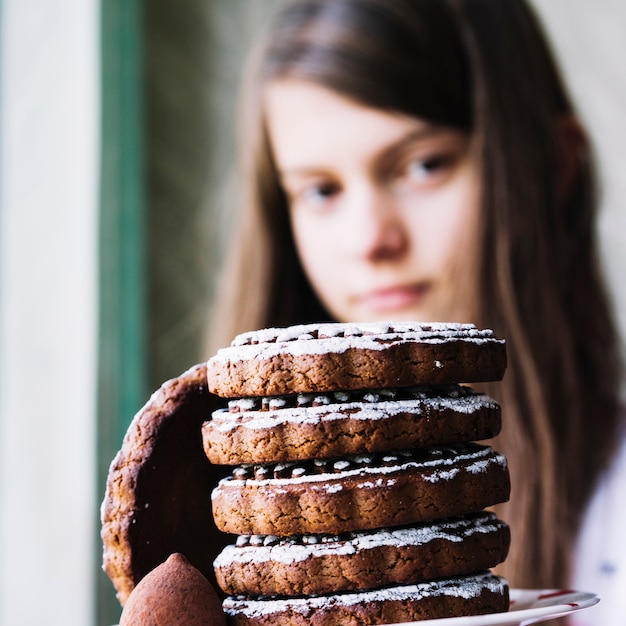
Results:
<point x="48" y="209"/>
<point x="590" y="39"/>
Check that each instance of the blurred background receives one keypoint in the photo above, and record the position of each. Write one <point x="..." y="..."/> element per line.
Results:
<point x="116" y="133"/>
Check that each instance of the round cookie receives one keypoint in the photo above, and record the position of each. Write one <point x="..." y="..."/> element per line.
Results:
<point x="292" y="428"/>
<point x="361" y="492"/>
<point x="321" y="564"/>
<point x="328" y="357"/>
<point x="477" y="594"/>
<point x="157" y="492"/>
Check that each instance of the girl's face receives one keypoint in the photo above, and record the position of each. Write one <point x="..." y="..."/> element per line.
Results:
<point x="384" y="207"/>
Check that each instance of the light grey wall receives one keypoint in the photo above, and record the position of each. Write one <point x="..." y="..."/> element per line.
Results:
<point x="590" y="41"/>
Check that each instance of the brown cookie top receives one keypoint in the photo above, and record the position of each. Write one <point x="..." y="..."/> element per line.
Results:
<point x="362" y="334"/>
<point x="329" y="357"/>
<point x="289" y="428"/>
<point x="157" y="500"/>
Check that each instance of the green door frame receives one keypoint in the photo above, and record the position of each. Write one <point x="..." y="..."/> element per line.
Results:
<point x="122" y="377"/>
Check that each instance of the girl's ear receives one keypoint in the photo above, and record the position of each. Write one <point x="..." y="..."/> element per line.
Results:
<point x="572" y="143"/>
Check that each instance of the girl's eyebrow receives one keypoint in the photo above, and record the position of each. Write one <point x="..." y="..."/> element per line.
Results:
<point x="304" y="171"/>
<point x="387" y="158"/>
<point x="422" y="132"/>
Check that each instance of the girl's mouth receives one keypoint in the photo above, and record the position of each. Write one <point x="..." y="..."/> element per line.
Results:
<point x="394" y="298"/>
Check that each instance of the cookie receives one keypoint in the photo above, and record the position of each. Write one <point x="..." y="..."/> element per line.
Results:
<point x="261" y="565"/>
<point x="157" y="500"/>
<point x="292" y="428"/>
<point x="328" y="357"/>
<point x="360" y="492"/>
<point x="477" y="594"/>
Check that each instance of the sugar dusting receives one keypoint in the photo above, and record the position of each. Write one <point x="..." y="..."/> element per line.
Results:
<point x="337" y="338"/>
<point x="466" y="405"/>
<point x="443" y="464"/>
<point x="465" y="587"/>
<point x="291" y="550"/>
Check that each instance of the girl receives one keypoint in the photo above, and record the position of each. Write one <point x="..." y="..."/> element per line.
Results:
<point x="421" y="159"/>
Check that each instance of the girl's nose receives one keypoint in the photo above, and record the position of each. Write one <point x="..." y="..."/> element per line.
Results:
<point x="377" y="233"/>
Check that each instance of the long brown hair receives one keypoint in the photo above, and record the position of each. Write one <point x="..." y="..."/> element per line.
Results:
<point x="482" y="66"/>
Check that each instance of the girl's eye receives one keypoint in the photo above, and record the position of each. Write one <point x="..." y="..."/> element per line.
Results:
<point x="428" y="169"/>
<point x="318" y="194"/>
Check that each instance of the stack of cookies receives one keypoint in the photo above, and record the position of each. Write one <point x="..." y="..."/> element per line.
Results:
<point x="358" y="491"/>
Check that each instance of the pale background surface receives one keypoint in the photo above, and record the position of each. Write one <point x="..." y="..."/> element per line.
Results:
<point x="49" y="149"/>
<point x="48" y="215"/>
<point x="590" y="40"/>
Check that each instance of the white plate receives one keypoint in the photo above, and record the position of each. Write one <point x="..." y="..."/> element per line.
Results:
<point x="528" y="606"/>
